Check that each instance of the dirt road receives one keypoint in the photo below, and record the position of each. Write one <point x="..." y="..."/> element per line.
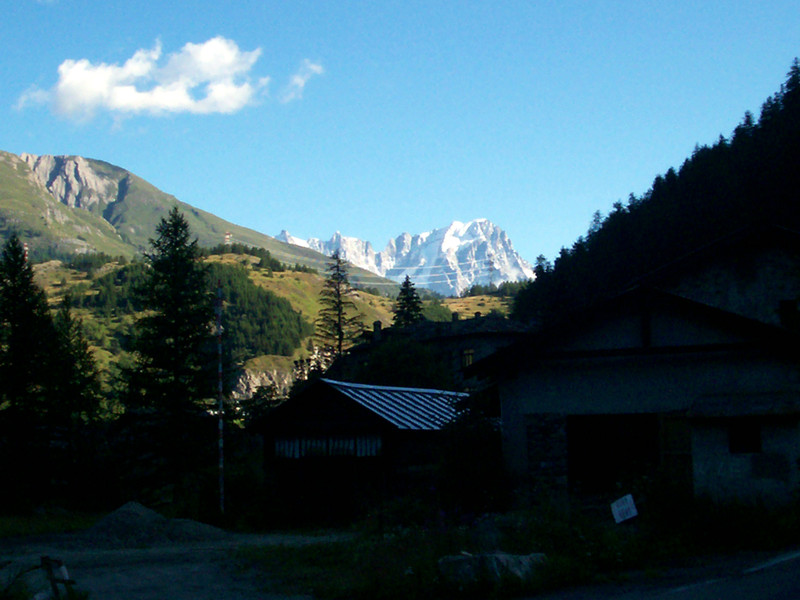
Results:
<point x="185" y="571"/>
<point x="111" y="566"/>
<point x="137" y="554"/>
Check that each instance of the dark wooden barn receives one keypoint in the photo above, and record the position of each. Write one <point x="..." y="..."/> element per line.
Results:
<point x="338" y="449"/>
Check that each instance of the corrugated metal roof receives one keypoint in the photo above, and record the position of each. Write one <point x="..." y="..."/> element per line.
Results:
<point x="405" y="408"/>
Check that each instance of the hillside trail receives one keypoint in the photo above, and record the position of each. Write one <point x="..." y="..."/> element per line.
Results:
<point x="136" y="554"/>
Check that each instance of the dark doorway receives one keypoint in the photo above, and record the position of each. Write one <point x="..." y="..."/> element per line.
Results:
<point x="607" y="450"/>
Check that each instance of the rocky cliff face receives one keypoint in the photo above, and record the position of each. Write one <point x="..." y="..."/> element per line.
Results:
<point x="71" y="180"/>
<point x="248" y="383"/>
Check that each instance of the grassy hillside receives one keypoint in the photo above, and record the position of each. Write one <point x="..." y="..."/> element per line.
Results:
<point x="302" y="291"/>
<point x="107" y="332"/>
<point x="123" y="223"/>
<point x="467" y="307"/>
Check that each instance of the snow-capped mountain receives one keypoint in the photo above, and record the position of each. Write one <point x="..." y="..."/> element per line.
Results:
<point x="447" y="260"/>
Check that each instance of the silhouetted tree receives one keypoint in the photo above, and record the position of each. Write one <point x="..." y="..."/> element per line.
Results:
<point x="26" y="334"/>
<point x="173" y="341"/>
<point x="751" y="179"/>
<point x="75" y="374"/>
<point x="408" y="306"/>
<point x="166" y="440"/>
<point x="49" y="390"/>
<point x="336" y="325"/>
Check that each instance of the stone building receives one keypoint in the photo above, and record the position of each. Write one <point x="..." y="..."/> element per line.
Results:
<point x="692" y="377"/>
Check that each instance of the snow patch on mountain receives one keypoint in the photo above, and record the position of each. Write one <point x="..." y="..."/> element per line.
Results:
<point x="285" y="236"/>
<point x="448" y="260"/>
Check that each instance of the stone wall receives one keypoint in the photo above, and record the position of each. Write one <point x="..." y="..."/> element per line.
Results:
<point x="547" y="452"/>
<point x="768" y="475"/>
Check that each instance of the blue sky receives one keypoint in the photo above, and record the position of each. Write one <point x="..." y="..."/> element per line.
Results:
<point x="376" y="118"/>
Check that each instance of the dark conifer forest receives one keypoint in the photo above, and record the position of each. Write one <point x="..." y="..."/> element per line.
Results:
<point x="751" y="178"/>
<point x="255" y="320"/>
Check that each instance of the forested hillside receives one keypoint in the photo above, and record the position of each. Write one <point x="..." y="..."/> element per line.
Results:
<point x="751" y="178"/>
<point x="268" y="307"/>
<point x="255" y="320"/>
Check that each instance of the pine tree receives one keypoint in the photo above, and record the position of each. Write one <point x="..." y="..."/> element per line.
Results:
<point x="173" y="375"/>
<point x="26" y="334"/>
<point x="43" y="391"/>
<point x="77" y="380"/>
<point x="173" y="342"/>
<point x="408" y="307"/>
<point x="336" y="326"/>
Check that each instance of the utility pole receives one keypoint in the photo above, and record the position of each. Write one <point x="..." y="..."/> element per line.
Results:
<point x="221" y="409"/>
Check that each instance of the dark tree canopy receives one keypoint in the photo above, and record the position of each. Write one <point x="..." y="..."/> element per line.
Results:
<point x="435" y="310"/>
<point x="49" y="392"/>
<point x="74" y="369"/>
<point x="752" y="178"/>
<point x="26" y="334"/>
<point x="408" y="306"/>
<point x="336" y="324"/>
<point x="404" y="362"/>
<point x="254" y="320"/>
<point x="173" y="342"/>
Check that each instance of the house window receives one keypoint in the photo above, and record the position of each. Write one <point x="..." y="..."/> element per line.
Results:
<point x="467" y="357"/>
<point x="744" y="437"/>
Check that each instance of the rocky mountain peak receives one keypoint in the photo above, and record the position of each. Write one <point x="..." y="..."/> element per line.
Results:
<point x="447" y="260"/>
<point x="71" y="180"/>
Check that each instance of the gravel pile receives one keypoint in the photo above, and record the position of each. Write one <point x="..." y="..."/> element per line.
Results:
<point x="136" y="526"/>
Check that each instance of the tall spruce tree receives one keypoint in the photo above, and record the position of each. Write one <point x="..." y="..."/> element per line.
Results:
<point x="48" y="390"/>
<point x="26" y="335"/>
<point x="336" y="325"/>
<point x="173" y="342"/>
<point x="166" y="444"/>
<point x="408" y="306"/>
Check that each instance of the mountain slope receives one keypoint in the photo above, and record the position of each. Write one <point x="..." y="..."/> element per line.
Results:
<point x="750" y="179"/>
<point x="27" y="208"/>
<point x="67" y="204"/>
<point x="448" y="260"/>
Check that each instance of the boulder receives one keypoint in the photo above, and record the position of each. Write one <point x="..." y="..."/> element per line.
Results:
<point x="468" y="569"/>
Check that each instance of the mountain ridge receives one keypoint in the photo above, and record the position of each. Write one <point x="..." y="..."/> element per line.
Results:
<point x="72" y="204"/>
<point x="66" y="204"/>
<point x="447" y="260"/>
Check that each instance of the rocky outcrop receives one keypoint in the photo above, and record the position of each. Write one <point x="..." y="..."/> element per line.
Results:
<point x="467" y="569"/>
<point x="71" y="180"/>
<point x="248" y="382"/>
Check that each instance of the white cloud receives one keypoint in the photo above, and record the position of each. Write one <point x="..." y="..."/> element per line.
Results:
<point x="294" y="90"/>
<point x="211" y="77"/>
<point x="33" y="95"/>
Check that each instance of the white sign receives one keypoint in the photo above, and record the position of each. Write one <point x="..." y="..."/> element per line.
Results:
<point x="624" y="509"/>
